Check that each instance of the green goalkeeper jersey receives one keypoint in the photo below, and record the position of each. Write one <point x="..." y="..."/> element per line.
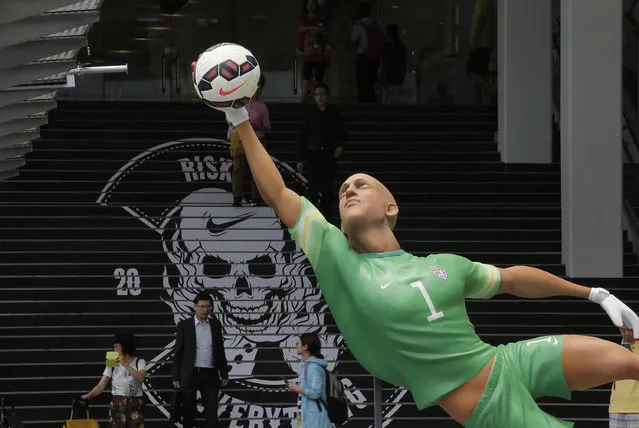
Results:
<point x="403" y="317"/>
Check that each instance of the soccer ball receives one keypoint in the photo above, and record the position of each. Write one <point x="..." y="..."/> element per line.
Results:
<point x="226" y="76"/>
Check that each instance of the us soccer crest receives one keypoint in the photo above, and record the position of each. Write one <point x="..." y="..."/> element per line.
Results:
<point x="441" y="273"/>
<point x="264" y="291"/>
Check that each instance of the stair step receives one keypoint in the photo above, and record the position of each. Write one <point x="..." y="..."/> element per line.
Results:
<point x="493" y="255"/>
<point x="96" y="317"/>
<point x="545" y="261"/>
<point x="164" y="135"/>
<point x="632" y="270"/>
<point x="47" y="174"/>
<point x="456" y="247"/>
<point x="131" y="148"/>
<point x="529" y="211"/>
<point x="161" y="332"/>
<point x="505" y="174"/>
<point x="574" y="410"/>
<point x="196" y="105"/>
<point x="477" y="186"/>
<point x="422" y="242"/>
<point x="414" y="190"/>
<point x="122" y="223"/>
<point x="412" y="223"/>
<point x="538" y="316"/>
<point x="550" y="305"/>
<point x="503" y="198"/>
<point x="400" y="177"/>
<point x="423" y="234"/>
<point x="392" y="157"/>
<point x="276" y="116"/>
<point x="373" y="168"/>
<point x="80" y="185"/>
<point x="176" y="106"/>
<point x="93" y="347"/>
<point x="146" y="198"/>
<point x="138" y="253"/>
<point x="290" y="155"/>
<point x="206" y="124"/>
<point x="408" y="211"/>
<point x="30" y="288"/>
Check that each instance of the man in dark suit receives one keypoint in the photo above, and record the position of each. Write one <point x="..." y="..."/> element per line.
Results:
<point x="200" y="363"/>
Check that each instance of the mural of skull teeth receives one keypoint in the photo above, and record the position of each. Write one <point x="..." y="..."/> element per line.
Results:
<point x="246" y="315"/>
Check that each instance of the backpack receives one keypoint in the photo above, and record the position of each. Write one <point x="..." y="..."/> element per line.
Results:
<point x="376" y="41"/>
<point x="314" y="47"/>
<point x="336" y="404"/>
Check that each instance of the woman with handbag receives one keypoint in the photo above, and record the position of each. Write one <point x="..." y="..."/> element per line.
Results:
<point x="127" y="405"/>
<point x="312" y="384"/>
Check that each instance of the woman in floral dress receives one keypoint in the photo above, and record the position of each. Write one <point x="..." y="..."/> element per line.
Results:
<point x="127" y="403"/>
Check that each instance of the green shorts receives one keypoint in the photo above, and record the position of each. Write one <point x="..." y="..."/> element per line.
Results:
<point x="522" y="372"/>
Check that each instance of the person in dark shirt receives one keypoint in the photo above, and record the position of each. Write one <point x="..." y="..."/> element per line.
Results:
<point x="394" y="65"/>
<point x="321" y="142"/>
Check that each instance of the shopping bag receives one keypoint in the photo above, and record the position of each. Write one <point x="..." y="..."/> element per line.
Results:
<point x="80" y="423"/>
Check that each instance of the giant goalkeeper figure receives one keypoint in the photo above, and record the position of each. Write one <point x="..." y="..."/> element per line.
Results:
<point x="403" y="317"/>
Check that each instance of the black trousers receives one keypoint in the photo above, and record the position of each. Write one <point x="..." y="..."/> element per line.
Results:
<point x="321" y="174"/>
<point x="366" y="76"/>
<point x="207" y="381"/>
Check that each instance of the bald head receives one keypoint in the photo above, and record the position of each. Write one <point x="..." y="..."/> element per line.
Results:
<point x="385" y="197"/>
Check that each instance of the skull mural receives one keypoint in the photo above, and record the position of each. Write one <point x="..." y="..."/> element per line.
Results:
<point x="257" y="277"/>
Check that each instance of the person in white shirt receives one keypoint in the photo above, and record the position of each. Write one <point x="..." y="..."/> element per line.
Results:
<point x="127" y="405"/>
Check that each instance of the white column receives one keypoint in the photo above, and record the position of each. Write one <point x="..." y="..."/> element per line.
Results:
<point x="524" y="80"/>
<point x="591" y="153"/>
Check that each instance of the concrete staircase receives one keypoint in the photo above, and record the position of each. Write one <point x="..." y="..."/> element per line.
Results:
<point x="68" y="266"/>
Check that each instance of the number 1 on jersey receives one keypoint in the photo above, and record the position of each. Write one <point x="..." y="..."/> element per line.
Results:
<point x="433" y="312"/>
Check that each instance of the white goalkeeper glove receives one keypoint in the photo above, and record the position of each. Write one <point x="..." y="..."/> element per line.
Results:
<point x="235" y="116"/>
<point x="620" y="314"/>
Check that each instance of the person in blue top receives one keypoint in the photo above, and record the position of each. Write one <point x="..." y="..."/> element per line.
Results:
<point x="312" y="384"/>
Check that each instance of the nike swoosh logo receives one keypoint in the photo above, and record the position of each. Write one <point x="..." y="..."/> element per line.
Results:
<point x="220" y="227"/>
<point x="225" y="93"/>
<point x="386" y="285"/>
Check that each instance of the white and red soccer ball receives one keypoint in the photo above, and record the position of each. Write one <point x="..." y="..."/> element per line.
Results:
<point x="226" y="76"/>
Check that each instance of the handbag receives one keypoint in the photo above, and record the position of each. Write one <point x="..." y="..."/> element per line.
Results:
<point x="80" y="423"/>
<point x="236" y="145"/>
